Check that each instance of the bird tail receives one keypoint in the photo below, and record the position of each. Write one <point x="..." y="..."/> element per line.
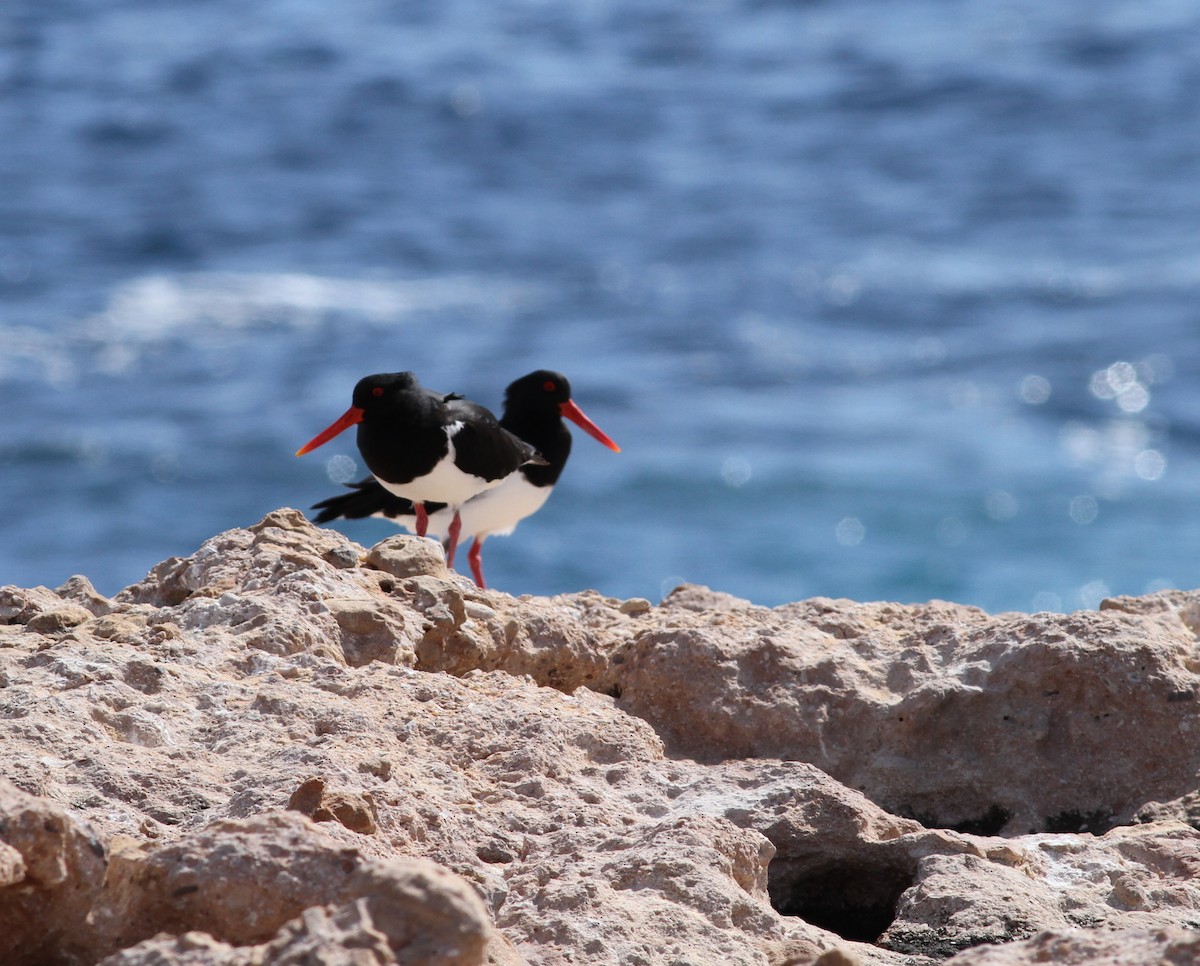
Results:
<point x="365" y="499"/>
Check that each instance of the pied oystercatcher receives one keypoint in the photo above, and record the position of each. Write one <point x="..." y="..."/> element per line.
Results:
<point x="534" y="407"/>
<point x="427" y="447"/>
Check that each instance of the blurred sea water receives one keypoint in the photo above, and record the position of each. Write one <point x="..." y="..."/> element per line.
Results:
<point x="882" y="301"/>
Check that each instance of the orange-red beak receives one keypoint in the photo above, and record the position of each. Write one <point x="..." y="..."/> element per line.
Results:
<point x="575" y="414"/>
<point x="349" y="418"/>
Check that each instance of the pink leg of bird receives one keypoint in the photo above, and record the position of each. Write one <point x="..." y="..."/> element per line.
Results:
<point x="475" y="556"/>
<point x="422" y="519"/>
<point x="452" y="539"/>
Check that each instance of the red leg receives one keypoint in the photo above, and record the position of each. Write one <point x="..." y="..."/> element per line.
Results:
<point x="422" y="519"/>
<point x="475" y="556"/>
<point x="452" y="539"/>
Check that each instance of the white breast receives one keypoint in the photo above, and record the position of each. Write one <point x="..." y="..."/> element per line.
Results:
<point x="446" y="483"/>
<point x="495" y="512"/>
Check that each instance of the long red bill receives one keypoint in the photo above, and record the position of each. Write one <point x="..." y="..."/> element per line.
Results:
<point x="575" y="414"/>
<point x="349" y="418"/>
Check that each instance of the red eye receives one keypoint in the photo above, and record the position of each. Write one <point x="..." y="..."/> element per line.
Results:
<point x="377" y="391"/>
<point x="549" y="385"/>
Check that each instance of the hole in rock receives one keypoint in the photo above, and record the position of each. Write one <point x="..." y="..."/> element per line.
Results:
<point x="851" y="896"/>
<point x="1097" y="822"/>
<point x="989" y="823"/>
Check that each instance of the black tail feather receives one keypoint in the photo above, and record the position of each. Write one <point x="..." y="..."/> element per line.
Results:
<point x="365" y="499"/>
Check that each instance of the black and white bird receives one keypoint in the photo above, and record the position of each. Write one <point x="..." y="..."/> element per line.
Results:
<point x="534" y="408"/>
<point x="427" y="447"/>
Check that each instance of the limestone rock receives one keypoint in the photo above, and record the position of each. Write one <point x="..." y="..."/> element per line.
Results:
<point x="355" y="811"/>
<point x="1018" y="723"/>
<point x="1077" y="947"/>
<point x="190" y="949"/>
<point x="54" y="872"/>
<point x="270" y="889"/>
<point x="530" y="780"/>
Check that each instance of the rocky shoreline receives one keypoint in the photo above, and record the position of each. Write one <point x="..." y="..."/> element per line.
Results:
<point x="286" y="748"/>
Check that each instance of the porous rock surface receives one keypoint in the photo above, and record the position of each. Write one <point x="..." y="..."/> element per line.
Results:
<point x="288" y="749"/>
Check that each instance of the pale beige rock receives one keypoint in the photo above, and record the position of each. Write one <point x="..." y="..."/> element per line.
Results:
<point x="348" y="936"/>
<point x="272" y="881"/>
<point x="40" y="609"/>
<point x="80" y="590"/>
<point x="12" y="866"/>
<point x="402" y="557"/>
<point x="190" y="949"/>
<point x="669" y="891"/>
<point x="343" y="936"/>
<point x="1017" y="723"/>
<point x="355" y="811"/>
<point x="703" y="781"/>
<point x="1169" y="946"/>
<point x="55" y="870"/>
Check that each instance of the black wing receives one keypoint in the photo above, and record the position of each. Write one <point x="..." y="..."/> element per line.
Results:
<point x="485" y="448"/>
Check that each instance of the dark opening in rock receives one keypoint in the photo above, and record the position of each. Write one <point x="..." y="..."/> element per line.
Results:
<point x="989" y="823"/>
<point x="854" y="898"/>
<point x="1097" y="822"/>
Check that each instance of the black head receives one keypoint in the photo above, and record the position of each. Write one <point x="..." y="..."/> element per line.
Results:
<point x="381" y="389"/>
<point x="543" y="398"/>
<point x="543" y="388"/>
<point x="379" y="394"/>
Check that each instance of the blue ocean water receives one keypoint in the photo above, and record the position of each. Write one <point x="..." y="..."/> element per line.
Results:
<point x="882" y="300"/>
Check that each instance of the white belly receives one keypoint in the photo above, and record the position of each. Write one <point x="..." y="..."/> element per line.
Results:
<point x="445" y="484"/>
<point x="494" y="512"/>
